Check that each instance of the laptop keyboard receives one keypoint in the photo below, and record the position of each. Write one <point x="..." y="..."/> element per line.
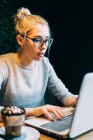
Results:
<point x="59" y="125"/>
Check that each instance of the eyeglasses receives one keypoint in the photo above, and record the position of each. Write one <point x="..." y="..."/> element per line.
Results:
<point x="38" y="41"/>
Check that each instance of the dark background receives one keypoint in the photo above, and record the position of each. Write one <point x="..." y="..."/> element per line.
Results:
<point x="71" y="23"/>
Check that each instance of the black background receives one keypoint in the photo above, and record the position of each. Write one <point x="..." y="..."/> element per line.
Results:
<point x="71" y="23"/>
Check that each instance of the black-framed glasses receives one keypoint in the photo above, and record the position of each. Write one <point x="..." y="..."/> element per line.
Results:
<point x="38" y="41"/>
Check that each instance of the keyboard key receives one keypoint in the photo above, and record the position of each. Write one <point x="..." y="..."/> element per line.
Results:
<point x="59" y="125"/>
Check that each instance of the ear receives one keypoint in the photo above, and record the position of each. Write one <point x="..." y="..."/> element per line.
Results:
<point x="19" y="40"/>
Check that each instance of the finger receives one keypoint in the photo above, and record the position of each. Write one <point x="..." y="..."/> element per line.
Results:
<point x="60" y="108"/>
<point x="75" y="102"/>
<point x="60" y="113"/>
<point x="56" y="114"/>
<point x="75" y="99"/>
<point x="48" y="115"/>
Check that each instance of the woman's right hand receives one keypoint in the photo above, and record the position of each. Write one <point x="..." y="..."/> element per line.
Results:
<point x="50" y="111"/>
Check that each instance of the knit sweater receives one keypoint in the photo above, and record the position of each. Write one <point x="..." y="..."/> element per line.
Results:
<point x="25" y="87"/>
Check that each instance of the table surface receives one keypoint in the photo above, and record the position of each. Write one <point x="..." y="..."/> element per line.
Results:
<point x="86" y="136"/>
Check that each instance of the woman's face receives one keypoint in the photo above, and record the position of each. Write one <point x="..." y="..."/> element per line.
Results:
<point x="34" y="47"/>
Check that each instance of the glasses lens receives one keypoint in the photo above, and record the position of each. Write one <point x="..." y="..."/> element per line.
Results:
<point x="48" y="42"/>
<point x="37" y="42"/>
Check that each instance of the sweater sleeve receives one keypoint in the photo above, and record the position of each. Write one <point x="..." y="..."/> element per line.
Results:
<point x="1" y="107"/>
<point x="3" y="75"/>
<point x="57" y="87"/>
<point x="3" y="71"/>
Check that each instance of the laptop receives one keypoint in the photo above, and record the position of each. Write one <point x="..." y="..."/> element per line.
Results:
<point x="77" y="120"/>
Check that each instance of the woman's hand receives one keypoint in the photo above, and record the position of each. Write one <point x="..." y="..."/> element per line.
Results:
<point x="72" y="101"/>
<point x="50" y="111"/>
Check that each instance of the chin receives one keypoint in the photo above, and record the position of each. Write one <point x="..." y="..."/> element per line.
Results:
<point x="39" y="58"/>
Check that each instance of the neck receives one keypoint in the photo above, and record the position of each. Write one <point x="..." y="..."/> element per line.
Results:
<point x="25" y="61"/>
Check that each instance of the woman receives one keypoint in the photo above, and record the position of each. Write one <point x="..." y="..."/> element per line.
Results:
<point x="25" y="75"/>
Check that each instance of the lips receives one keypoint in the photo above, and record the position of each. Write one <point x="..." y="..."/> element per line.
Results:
<point x="41" y="53"/>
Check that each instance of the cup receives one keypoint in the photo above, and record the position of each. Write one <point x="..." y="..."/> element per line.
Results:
<point x="13" y="122"/>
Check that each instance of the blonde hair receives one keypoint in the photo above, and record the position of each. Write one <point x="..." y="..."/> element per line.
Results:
<point x="25" y="21"/>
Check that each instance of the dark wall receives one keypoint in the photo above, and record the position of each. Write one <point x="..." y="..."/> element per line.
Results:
<point x="74" y="42"/>
<point x="71" y="24"/>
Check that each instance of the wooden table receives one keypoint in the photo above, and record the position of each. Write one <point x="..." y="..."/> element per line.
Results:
<point x="86" y="136"/>
<point x="44" y="137"/>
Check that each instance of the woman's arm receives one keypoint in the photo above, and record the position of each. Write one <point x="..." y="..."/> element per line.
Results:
<point x="50" y="111"/>
<point x="1" y="107"/>
<point x="57" y="87"/>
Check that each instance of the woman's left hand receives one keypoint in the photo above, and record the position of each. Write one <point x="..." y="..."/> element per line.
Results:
<point x="71" y="101"/>
<point x="74" y="100"/>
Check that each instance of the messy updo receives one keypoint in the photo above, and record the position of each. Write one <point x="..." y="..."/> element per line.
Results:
<point x="25" y="21"/>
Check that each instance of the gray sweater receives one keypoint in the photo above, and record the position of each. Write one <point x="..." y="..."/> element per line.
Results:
<point x="25" y="87"/>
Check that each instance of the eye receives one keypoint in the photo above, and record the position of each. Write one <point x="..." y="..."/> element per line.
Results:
<point x="37" y="40"/>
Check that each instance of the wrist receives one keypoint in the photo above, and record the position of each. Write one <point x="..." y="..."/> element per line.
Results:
<point x="29" y="112"/>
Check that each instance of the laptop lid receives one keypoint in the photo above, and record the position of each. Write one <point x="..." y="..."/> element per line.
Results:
<point x="83" y="117"/>
<point x="82" y="120"/>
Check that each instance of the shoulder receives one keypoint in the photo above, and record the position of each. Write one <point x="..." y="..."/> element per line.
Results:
<point x="6" y="60"/>
<point x="44" y="62"/>
<point x="5" y="63"/>
<point x="6" y="56"/>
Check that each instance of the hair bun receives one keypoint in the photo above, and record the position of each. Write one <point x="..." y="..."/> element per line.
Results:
<point x="22" y="12"/>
